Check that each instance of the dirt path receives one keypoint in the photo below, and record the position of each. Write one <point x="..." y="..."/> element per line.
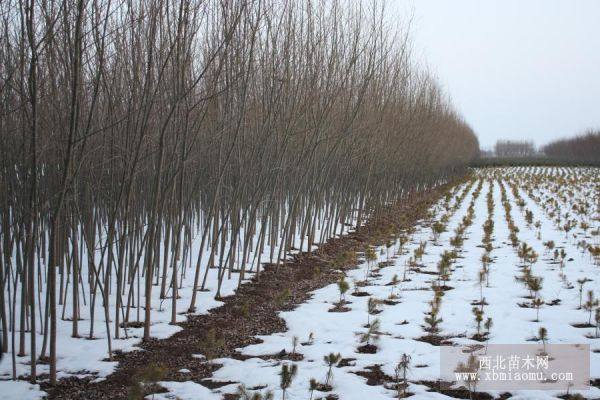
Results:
<point x="252" y="311"/>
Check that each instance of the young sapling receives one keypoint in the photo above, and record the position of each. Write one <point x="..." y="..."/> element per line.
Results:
<point x="394" y="282"/>
<point x="370" y="256"/>
<point x="243" y="394"/>
<point x="371" y="309"/>
<point x="401" y="372"/>
<point x="212" y="345"/>
<point x="312" y="386"/>
<point x="371" y="335"/>
<point x="537" y="303"/>
<point x="543" y="337"/>
<point x="343" y="287"/>
<point x="331" y="359"/>
<point x="590" y="304"/>
<point x="581" y="282"/>
<point x="478" y="313"/>
<point x="294" y="345"/>
<point x="287" y="375"/>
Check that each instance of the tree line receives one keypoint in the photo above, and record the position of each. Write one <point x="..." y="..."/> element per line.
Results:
<point x="584" y="148"/>
<point x="514" y="148"/>
<point x="131" y="129"/>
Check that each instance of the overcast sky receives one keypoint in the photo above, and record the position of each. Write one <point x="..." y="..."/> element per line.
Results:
<point x="515" y="69"/>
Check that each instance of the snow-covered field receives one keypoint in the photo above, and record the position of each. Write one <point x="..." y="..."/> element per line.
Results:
<point x="555" y="212"/>
<point x="540" y="202"/>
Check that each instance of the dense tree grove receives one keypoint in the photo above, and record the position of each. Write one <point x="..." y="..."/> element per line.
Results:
<point x="584" y="148"/>
<point x="131" y="129"/>
<point x="513" y="148"/>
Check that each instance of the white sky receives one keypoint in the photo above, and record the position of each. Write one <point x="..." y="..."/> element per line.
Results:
<point x="515" y="69"/>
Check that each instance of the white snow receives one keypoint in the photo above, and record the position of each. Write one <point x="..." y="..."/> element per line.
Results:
<point x="84" y="357"/>
<point x="339" y="332"/>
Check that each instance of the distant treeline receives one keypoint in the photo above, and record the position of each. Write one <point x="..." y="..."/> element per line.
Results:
<point x="580" y="149"/>
<point x="541" y="161"/>
<point x="583" y="150"/>
<point x="514" y="148"/>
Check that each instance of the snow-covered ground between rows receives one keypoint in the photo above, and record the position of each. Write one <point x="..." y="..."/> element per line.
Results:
<point x="401" y="323"/>
<point x="339" y="332"/>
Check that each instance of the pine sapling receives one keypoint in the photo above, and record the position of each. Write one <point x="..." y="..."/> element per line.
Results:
<point x="537" y="303"/>
<point x="443" y="270"/>
<point x="149" y="375"/>
<point x="563" y="257"/>
<point x="534" y="284"/>
<point x="394" y="282"/>
<point x="370" y="256"/>
<point x="431" y="320"/>
<point x="471" y="368"/>
<point x="543" y="337"/>
<point x="590" y="304"/>
<point x="401" y="371"/>
<point x="581" y="283"/>
<point x="538" y="226"/>
<point x="343" y="287"/>
<point x="478" y="313"/>
<point x="372" y="333"/>
<point x="486" y="261"/>
<point x="488" y="327"/>
<point x="371" y="309"/>
<point x="420" y="251"/>
<point x="294" y="345"/>
<point x="402" y="240"/>
<point x="312" y="386"/>
<point x="437" y="229"/>
<point x="212" y="345"/>
<point x="488" y="247"/>
<point x="331" y="359"/>
<point x="355" y="286"/>
<point x="481" y="281"/>
<point x="243" y="394"/>
<point x="287" y="375"/>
